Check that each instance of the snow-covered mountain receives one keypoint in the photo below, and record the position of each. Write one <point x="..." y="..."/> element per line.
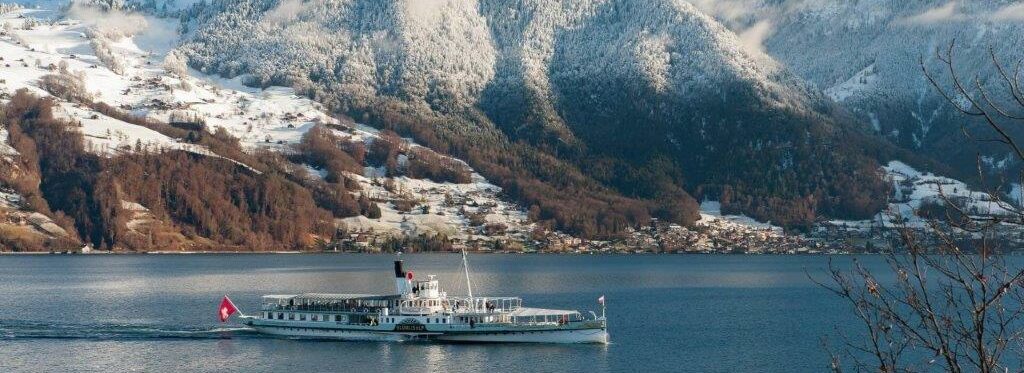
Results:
<point x="594" y="116"/>
<point x="40" y="46"/>
<point x="865" y="55"/>
<point x="652" y="100"/>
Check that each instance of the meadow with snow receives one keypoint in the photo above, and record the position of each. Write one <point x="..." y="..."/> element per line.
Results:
<point x="129" y="63"/>
<point x="914" y="189"/>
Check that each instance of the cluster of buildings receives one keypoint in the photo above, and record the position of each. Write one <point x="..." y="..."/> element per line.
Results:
<point x="715" y="235"/>
<point x="711" y="236"/>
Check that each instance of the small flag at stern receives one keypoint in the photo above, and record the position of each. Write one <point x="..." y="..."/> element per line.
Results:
<point x="601" y="300"/>
<point x="227" y="308"/>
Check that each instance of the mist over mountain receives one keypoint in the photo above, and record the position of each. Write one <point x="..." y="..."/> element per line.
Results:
<point x="621" y="109"/>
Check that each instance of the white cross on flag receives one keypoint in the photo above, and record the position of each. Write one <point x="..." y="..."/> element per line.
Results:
<point x="226" y="309"/>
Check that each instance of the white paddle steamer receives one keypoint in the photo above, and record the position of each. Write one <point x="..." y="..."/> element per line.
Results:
<point x="420" y="311"/>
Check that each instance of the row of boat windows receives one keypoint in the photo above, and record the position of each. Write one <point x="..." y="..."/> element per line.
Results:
<point x="327" y="305"/>
<point x="422" y="303"/>
<point x="316" y="330"/>
<point x="303" y="317"/>
<point x="393" y="320"/>
<point x="336" y="318"/>
<point x="346" y="331"/>
<point x="563" y="319"/>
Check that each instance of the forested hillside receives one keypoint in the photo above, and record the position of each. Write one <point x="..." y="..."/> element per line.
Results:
<point x="866" y="56"/>
<point x="596" y="115"/>
<point x="109" y="140"/>
<point x="204" y="201"/>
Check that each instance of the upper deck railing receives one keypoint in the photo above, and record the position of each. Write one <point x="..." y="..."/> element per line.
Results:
<point x="485" y="304"/>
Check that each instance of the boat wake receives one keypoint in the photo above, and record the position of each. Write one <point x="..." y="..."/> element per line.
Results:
<point x="24" y="329"/>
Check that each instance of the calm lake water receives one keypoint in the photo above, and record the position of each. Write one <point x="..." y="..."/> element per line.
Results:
<point x="666" y="313"/>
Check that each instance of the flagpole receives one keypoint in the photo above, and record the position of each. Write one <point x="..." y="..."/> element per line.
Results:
<point x="469" y="286"/>
<point x="239" y="310"/>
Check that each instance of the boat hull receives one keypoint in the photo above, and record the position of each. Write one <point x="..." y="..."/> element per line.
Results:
<point x="599" y="336"/>
<point x="588" y="335"/>
<point x="336" y="334"/>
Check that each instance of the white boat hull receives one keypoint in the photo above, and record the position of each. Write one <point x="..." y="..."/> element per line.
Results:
<point x="599" y="336"/>
<point x="338" y="334"/>
<point x="545" y="336"/>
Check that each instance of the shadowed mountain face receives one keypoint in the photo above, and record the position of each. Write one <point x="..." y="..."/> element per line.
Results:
<point x="598" y="113"/>
<point x="866" y="55"/>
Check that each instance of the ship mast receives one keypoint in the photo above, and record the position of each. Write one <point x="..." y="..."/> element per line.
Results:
<point x="469" y="286"/>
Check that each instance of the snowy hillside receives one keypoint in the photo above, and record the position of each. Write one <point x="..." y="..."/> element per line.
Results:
<point x="914" y="190"/>
<point x="148" y="81"/>
<point x="653" y="100"/>
<point x="593" y="116"/>
<point x="711" y="212"/>
<point x="407" y="49"/>
<point x="865" y="55"/>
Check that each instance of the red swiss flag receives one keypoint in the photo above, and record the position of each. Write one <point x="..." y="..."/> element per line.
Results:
<point x="227" y="308"/>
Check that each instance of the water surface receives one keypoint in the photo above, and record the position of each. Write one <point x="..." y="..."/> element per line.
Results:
<point x="681" y="313"/>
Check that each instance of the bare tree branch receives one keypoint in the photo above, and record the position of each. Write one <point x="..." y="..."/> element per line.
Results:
<point x="955" y="300"/>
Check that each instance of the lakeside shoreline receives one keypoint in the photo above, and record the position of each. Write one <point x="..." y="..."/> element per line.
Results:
<point x="10" y="253"/>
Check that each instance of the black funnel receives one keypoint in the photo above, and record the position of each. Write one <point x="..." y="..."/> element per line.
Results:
<point x="399" y="272"/>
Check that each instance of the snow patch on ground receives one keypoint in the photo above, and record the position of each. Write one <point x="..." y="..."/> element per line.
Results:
<point x="6" y="150"/>
<point x="9" y="199"/>
<point x="258" y="117"/>
<point x="913" y="188"/>
<point x="106" y="135"/>
<point x="274" y="118"/>
<point x="711" y="211"/>
<point x="862" y="81"/>
<point x="44" y="224"/>
<point x="997" y="164"/>
<point x="139" y="216"/>
<point x="447" y="207"/>
<point x="316" y="173"/>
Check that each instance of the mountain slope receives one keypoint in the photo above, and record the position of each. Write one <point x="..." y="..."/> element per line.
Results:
<point x="596" y="113"/>
<point x="155" y="157"/>
<point x="866" y="55"/>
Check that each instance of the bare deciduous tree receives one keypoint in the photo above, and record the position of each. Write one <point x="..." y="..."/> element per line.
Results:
<point x="949" y="300"/>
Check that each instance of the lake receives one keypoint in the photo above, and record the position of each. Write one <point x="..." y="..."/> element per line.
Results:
<point x="680" y="313"/>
